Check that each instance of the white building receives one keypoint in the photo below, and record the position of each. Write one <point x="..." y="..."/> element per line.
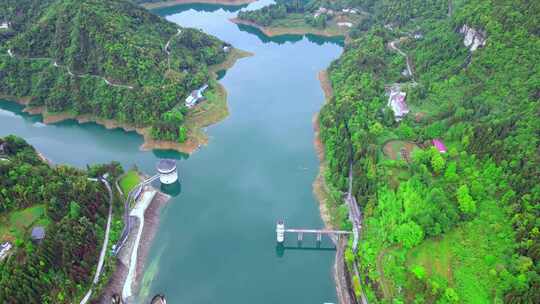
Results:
<point x="349" y="10"/>
<point x="280" y="231"/>
<point x="195" y="96"/>
<point x="345" y="24"/>
<point x="398" y="104"/>
<point x="4" y="26"/>
<point x="4" y="249"/>
<point x="168" y="173"/>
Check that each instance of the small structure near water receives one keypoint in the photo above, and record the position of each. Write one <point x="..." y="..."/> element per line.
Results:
<point x="280" y="231"/>
<point x="159" y="299"/>
<point x="168" y="173"/>
<point x="196" y="96"/>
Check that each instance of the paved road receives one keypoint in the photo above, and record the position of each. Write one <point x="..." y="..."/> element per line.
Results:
<point x="392" y="46"/>
<point x="138" y="212"/>
<point x="105" y="242"/>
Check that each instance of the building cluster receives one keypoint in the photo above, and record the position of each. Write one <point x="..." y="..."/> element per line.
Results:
<point x="329" y="12"/>
<point x="323" y="11"/>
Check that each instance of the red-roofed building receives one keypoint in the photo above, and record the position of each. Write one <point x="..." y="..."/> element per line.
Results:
<point x="439" y="145"/>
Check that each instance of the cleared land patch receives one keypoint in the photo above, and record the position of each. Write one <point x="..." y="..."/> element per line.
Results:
<point x="15" y="224"/>
<point x="396" y="149"/>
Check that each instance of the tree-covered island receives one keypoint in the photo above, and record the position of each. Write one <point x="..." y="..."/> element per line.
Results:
<point x="115" y="63"/>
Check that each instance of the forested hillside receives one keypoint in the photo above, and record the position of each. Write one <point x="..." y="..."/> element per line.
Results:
<point x="441" y="225"/>
<point x="111" y="59"/>
<point x="72" y="211"/>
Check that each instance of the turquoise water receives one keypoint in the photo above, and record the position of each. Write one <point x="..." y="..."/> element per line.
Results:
<point x="216" y="240"/>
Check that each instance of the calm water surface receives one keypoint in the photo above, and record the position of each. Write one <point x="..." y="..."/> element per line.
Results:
<point x="216" y="241"/>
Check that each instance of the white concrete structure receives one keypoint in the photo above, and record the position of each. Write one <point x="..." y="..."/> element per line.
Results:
<point x="280" y="232"/>
<point x="4" y="249"/>
<point x="168" y="173"/>
<point x="4" y="26"/>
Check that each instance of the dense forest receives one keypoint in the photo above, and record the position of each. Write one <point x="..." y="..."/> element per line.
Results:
<point x="72" y="210"/>
<point x="110" y="59"/>
<point x="457" y="225"/>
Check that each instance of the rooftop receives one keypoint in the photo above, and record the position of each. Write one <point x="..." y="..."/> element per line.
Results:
<point x="439" y="145"/>
<point x="38" y="233"/>
<point x="166" y="165"/>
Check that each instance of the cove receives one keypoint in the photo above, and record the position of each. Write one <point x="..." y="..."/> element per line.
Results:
<point x="216" y="241"/>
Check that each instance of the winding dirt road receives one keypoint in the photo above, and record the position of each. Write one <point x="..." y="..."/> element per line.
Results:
<point x="12" y="55"/>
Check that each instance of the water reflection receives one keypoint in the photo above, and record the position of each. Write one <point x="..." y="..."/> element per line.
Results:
<point x="282" y="39"/>
<point x="208" y="8"/>
<point x="221" y="74"/>
<point x="280" y="248"/>
<point x="170" y="154"/>
<point x="173" y="189"/>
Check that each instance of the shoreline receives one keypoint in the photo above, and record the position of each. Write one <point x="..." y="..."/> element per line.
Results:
<point x="280" y="31"/>
<point x="162" y="4"/>
<point x="196" y="136"/>
<point x="151" y="225"/>
<point x="320" y="188"/>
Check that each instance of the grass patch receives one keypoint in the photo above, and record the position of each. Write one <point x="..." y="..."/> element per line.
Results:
<point x="129" y="181"/>
<point x="15" y="224"/>
<point x="471" y="258"/>
<point x="392" y="149"/>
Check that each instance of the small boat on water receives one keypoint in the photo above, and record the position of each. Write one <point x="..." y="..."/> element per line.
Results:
<point x="159" y="299"/>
